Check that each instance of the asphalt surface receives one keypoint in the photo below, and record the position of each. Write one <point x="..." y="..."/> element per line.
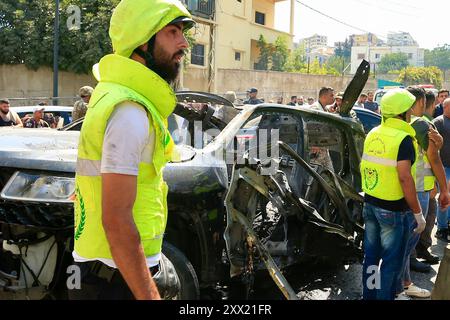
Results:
<point x="344" y="283"/>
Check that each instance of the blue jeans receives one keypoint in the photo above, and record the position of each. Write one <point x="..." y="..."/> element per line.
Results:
<point x="443" y="216"/>
<point x="385" y="239"/>
<point x="424" y="199"/>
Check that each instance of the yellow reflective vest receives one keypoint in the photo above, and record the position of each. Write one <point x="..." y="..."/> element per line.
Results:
<point x="123" y="79"/>
<point x="379" y="162"/>
<point x="425" y="179"/>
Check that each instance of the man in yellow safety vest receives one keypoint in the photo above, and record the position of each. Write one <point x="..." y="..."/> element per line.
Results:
<point x="120" y="206"/>
<point x="388" y="180"/>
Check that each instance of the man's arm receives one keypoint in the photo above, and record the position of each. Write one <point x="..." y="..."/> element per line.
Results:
<point x="439" y="173"/>
<point x="18" y="121"/>
<point x="118" y="197"/>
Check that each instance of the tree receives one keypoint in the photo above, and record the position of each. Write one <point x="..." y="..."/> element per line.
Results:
<point x="421" y="75"/>
<point x="27" y="33"/>
<point x="392" y="62"/>
<point x="280" y="54"/>
<point x="337" y="63"/>
<point x="264" y="54"/>
<point x="438" y="57"/>
<point x="297" y="60"/>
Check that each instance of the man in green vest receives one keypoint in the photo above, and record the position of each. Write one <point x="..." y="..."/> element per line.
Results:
<point x="120" y="205"/>
<point x="429" y="168"/>
<point x="426" y="241"/>
<point x="388" y="180"/>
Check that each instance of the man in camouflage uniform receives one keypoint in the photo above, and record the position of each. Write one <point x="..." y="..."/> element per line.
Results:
<point x="80" y="107"/>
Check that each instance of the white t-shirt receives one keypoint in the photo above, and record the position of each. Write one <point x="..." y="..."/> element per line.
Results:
<point x="128" y="140"/>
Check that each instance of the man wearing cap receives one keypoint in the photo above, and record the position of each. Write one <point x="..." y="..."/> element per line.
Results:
<point x="252" y="97"/>
<point x="121" y="197"/>
<point x="36" y="121"/>
<point x="8" y="117"/>
<point x="336" y="106"/>
<point x="388" y="181"/>
<point x="80" y="107"/>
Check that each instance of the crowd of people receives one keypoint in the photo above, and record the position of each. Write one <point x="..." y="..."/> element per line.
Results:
<point x="405" y="176"/>
<point x="39" y="118"/>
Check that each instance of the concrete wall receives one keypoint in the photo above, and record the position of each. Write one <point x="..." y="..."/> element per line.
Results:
<point x="270" y="84"/>
<point x="16" y="81"/>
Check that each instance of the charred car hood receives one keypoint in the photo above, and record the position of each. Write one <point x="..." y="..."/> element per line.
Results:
<point x="50" y="150"/>
<point x="39" y="149"/>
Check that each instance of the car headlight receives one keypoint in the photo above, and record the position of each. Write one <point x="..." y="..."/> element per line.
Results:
<point x="24" y="186"/>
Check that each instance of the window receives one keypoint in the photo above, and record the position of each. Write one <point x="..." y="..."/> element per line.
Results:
<point x="377" y="56"/>
<point x="237" y="56"/>
<point x="361" y="56"/>
<point x="198" y="54"/>
<point x="260" y="18"/>
<point x="410" y="55"/>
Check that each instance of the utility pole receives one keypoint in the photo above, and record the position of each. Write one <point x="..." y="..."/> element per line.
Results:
<point x="56" y="54"/>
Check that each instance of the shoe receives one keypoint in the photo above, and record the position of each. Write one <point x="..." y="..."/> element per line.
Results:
<point x="442" y="234"/>
<point x="416" y="265"/>
<point x="428" y="257"/>
<point x="402" y="296"/>
<point x="414" y="291"/>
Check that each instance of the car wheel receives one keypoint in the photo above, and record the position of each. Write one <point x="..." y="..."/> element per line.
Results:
<point x="190" y="289"/>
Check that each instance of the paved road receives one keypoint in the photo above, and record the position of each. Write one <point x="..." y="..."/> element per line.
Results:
<point x="345" y="283"/>
<point x="341" y="282"/>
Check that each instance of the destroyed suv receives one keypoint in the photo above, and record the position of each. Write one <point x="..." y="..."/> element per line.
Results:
<point x="253" y="199"/>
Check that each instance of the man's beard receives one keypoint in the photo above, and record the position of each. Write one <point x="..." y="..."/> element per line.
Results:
<point x="165" y="65"/>
<point x="4" y="112"/>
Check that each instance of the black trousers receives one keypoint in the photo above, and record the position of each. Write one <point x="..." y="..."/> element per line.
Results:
<point x="100" y="282"/>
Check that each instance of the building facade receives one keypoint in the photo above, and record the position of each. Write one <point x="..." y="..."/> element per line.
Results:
<point x="227" y="39"/>
<point x="315" y="41"/>
<point x="374" y="55"/>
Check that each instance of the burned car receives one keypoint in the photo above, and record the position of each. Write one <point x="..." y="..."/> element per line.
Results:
<point x="249" y="197"/>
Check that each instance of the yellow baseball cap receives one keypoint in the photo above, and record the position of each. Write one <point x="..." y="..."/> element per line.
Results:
<point x="396" y="101"/>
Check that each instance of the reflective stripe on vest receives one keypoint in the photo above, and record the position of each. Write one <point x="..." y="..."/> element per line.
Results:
<point x="379" y="161"/>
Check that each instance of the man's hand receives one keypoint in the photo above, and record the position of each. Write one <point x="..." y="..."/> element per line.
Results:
<point x="444" y="200"/>
<point x="118" y="197"/>
<point x="435" y="138"/>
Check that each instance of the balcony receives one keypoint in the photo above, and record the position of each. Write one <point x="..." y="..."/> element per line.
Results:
<point x="201" y="8"/>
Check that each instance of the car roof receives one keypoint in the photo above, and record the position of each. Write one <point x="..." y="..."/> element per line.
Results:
<point x="47" y="109"/>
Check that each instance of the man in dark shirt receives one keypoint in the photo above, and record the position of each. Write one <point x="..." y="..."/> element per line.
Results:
<point x="442" y="95"/>
<point x="293" y="101"/>
<point x="252" y="94"/>
<point x="429" y="150"/>
<point x="442" y="124"/>
<point x="36" y="121"/>
<point x="370" y="104"/>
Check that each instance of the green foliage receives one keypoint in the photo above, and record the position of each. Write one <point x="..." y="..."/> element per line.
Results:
<point x="264" y="53"/>
<point x="296" y="60"/>
<point x="338" y="63"/>
<point x="27" y="33"/>
<point x="280" y="54"/>
<point x="344" y="50"/>
<point x="421" y="75"/>
<point x="393" y="61"/>
<point x="438" y="57"/>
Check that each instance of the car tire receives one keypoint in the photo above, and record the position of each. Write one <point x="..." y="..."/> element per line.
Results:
<point x="190" y="289"/>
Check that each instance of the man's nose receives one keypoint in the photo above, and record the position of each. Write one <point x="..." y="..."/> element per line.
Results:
<point x="184" y="44"/>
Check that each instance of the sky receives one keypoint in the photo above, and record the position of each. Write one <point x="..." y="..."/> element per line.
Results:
<point x="377" y="16"/>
